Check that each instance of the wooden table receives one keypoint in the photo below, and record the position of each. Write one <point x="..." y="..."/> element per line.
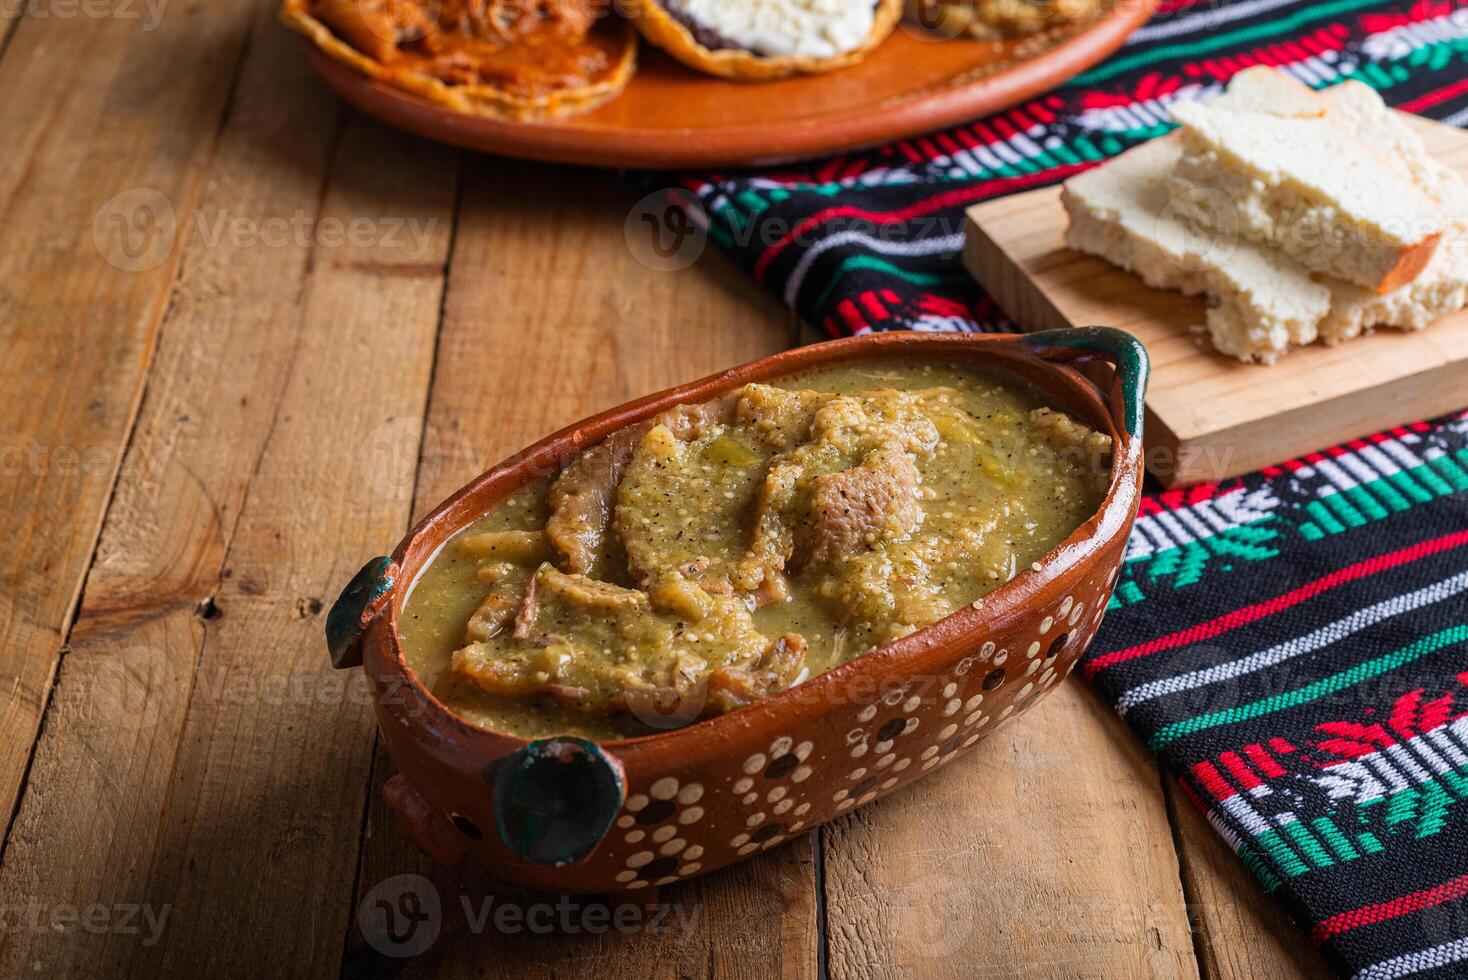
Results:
<point x="219" y="400"/>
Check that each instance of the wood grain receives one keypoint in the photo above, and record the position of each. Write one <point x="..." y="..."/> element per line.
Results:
<point x="532" y="339"/>
<point x="1042" y="852"/>
<point x="199" y="757"/>
<point x="78" y="314"/>
<point x="1209" y="416"/>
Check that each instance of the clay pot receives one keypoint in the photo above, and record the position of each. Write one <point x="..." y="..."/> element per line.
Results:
<point x="568" y="815"/>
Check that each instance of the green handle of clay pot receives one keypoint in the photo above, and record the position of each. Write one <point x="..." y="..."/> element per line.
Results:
<point x="555" y="799"/>
<point x="1124" y="351"/>
<point x="354" y="609"/>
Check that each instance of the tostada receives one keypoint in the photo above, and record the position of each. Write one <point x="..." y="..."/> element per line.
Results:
<point x="753" y="40"/>
<point x="516" y="59"/>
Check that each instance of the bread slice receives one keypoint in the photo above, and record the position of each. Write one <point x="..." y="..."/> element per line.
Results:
<point x="1357" y="108"/>
<point x="1270" y="90"/>
<point x="1262" y="302"/>
<point x="1306" y="187"/>
<point x="1442" y="288"/>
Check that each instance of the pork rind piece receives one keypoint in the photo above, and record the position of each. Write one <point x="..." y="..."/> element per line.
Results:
<point x="631" y="652"/>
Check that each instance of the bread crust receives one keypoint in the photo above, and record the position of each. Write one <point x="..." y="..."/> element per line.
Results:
<point x="477" y="100"/>
<point x="1410" y="264"/>
<point x="663" y="30"/>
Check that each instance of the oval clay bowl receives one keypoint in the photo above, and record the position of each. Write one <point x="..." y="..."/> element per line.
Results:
<point x="568" y="815"/>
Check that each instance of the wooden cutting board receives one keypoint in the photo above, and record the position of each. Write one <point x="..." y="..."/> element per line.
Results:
<point x="1210" y="416"/>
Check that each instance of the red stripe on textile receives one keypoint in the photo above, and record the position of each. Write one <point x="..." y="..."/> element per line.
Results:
<point x="965" y="137"/>
<point x="1213" y="782"/>
<point x="875" y="311"/>
<point x="1390" y="909"/>
<point x="1313" y="44"/>
<point x="1246" y="777"/>
<point x="1433" y="98"/>
<point x="1249" y="614"/>
<point x="950" y="146"/>
<point x="910" y="151"/>
<point x="937" y="202"/>
<point x="846" y="309"/>
<point x="1266" y="763"/>
<point x="1170" y="500"/>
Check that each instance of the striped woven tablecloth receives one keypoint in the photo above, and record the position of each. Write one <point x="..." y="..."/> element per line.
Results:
<point x="1293" y="644"/>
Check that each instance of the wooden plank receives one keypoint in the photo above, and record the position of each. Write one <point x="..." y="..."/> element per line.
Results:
<point x="200" y="758"/>
<point x="1043" y="852"/>
<point x="1239" y="932"/>
<point x="100" y="122"/>
<point x="1210" y="416"/>
<point x="550" y="317"/>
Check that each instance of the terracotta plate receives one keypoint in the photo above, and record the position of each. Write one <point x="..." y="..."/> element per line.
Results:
<point x="671" y="116"/>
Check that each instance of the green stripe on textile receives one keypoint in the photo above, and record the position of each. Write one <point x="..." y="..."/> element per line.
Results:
<point x="1088" y="149"/>
<point x="1367" y="504"/>
<point x="1188" y="564"/>
<point x="1308" y="845"/>
<point x="1385" y="492"/>
<point x="1340" y="504"/>
<point x="1324" y="519"/>
<point x="874" y="264"/>
<point x="1435" y="482"/>
<point x="1127" y="593"/>
<point x="1284" y="855"/>
<point x="1193" y="50"/>
<point x="1065" y="154"/>
<point x="1404" y="481"/>
<point x="1185" y="564"/>
<point x="1255" y="863"/>
<point x="1332" y="836"/>
<point x="1369" y="843"/>
<point x="1375" y="76"/>
<point x="1451" y="467"/>
<point x="751" y="202"/>
<point x="1310" y="692"/>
